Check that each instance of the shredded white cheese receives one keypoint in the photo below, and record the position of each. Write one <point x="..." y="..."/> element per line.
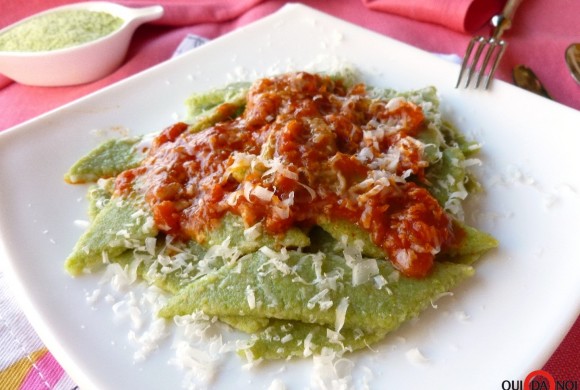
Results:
<point x="415" y="356"/>
<point x="331" y="372"/>
<point x="250" y="297"/>
<point x="341" y="314"/>
<point x="253" y="232"/>
<point x="277" y="384"/>
<point x="308" y="345"/>
<point x="439" y="296"/>
<point x="321" y="299"/>
<point x="363" y="271"/>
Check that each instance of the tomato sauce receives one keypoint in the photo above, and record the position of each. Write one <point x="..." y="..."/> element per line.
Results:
<point x="305" y="147"/>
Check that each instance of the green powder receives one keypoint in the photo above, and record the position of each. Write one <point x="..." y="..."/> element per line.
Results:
<point x="58" y="30"/>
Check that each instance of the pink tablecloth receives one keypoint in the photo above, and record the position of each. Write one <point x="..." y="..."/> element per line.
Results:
<point x="541" y="32"/>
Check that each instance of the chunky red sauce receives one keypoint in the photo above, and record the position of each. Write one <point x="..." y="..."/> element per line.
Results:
<point x="304" y="147"/>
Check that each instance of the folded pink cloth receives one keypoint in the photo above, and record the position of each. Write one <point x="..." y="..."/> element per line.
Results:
<point x="4" y="81"/>
<point x="459" y="15"/>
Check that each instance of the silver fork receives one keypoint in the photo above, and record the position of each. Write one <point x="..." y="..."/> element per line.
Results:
<point x="474" y="67"/>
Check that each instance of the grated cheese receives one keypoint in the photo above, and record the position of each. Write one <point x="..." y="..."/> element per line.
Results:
<point x="380" y="281"/>
<point x="363" y="271"/>
<point x="250" y="297"/>
<point x="277" y="259"/>
<point x="310" y="190"/>
<point x="331" y="372"/>
<point x="341" y="314"/>
<point x="394" y="276"/>
<point x="150" y="340"/>
<point x="415" y="356"/>
<point x="247" y="190"/>
<point x="276" y="166"/>
<point x="262" y="193"/>
<point x="277" y="384"/>
<point x="253" y="232"/>
<point x="321" y="300"/>
<point x="93" y="297"/>
<point x="471" y="162"/>
<point x="82" y="223"/>
<point x="439" y="296"/>
<point x="308" y="345"/>
<point x="150" y="243"/>
<point x="334" y="337"/>
<point x="197" y="362"/>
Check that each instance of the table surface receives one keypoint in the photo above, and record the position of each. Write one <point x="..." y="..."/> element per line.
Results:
<point x="540" y="33"/>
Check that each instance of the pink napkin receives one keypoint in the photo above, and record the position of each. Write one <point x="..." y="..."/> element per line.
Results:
<point x="458" y="15"/>
<point x="4" y="81"/>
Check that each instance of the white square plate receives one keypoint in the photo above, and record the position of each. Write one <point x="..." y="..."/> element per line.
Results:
<point x="500" y="325"/>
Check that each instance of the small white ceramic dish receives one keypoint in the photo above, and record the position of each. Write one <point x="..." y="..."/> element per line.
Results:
<point x="78" y="64"/>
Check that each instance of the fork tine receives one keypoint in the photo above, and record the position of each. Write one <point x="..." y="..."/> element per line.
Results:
<point x="494" y="48"/>
<point x="473" y="69"/>
<point x="494" y="51"/>
<point x="465" y="60"/>
<point x="502" y="46"/>
<point x="488" y="54"/>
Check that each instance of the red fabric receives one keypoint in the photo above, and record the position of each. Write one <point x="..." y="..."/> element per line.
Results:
<point x="541" y="32"/>
<point x="459" y="15"/>
<point x="564" y="365"/>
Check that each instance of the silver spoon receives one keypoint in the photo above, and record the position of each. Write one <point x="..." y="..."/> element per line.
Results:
<point x="525" y="78"/>
<point x="573" y="60"/>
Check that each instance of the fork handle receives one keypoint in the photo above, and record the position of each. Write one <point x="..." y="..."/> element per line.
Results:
<point x="503" y="21"/>
<point x="510" y="8"/>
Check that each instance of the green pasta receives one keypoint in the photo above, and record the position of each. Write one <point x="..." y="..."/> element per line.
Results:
<point x="320" y="283"/>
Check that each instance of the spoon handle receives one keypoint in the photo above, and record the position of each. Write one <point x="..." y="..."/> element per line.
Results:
<point x="573" y="61"/>
<point x="525" y="78"/>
